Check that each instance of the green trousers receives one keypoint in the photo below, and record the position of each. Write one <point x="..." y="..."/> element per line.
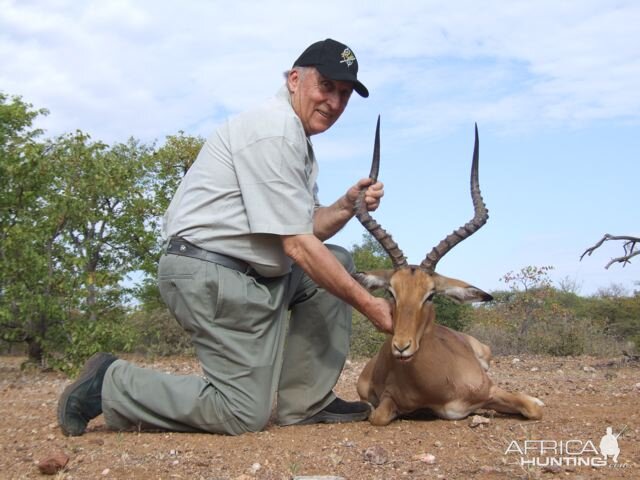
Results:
<point x="254" y="355"/>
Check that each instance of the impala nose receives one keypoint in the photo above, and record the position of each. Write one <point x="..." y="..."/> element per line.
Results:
<point x="399" y="348"/>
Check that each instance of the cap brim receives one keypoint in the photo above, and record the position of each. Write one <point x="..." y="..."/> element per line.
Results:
<point x="361" y="89"/>
<point x="358" y="86"/>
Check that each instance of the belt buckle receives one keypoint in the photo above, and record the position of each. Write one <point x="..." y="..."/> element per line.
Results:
<point x="175" y="245"/>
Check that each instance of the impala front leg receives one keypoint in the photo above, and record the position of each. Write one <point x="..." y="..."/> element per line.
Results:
<point x="364" y="386"/>
<point x="385" y="413"/>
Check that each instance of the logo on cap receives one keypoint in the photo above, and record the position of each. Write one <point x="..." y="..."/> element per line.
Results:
<point x="347" y="57"/>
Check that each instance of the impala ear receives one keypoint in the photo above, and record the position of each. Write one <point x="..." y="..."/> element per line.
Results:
<point x="374" y="279"/>
<point x="459" y="291"/>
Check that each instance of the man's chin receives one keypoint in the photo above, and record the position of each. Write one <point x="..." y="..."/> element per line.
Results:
<point x="320" y="127"/>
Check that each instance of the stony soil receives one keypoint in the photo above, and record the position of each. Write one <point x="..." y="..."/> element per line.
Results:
<point x="583" y="395"/>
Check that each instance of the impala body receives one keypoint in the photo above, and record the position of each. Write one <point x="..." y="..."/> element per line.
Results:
<point x="424" y="365"/>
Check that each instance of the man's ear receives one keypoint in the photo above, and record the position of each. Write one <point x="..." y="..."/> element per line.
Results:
<point x="373" y="279"/>
<point x="293" y="80"/>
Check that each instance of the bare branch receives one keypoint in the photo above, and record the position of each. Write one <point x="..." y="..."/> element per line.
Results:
<point x="629" y="246"/>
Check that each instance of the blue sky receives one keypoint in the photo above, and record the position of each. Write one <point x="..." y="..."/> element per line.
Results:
<point x="553" y="86"/>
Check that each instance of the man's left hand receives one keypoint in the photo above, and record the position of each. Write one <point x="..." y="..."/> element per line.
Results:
<point x="374" y="192"/>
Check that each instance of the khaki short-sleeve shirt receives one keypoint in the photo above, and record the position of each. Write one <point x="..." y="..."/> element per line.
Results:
<point x="253" y="180"/>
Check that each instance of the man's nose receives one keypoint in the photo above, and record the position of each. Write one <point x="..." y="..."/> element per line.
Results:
<point x="335" y="101"/>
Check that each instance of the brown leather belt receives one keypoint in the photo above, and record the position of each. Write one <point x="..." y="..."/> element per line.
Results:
<point x="179" y="246"/>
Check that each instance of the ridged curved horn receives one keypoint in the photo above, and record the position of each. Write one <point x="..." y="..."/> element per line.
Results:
<point x="480" y="218"/>
<point x="397" y="257"/>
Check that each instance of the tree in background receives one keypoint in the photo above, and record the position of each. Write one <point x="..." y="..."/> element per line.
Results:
<point x="76" y="217"/>
<point x="26" y="279"/>
<point x="534" y="284"/>
<point x="370" y="255"/>
<point x="100" y="194"/>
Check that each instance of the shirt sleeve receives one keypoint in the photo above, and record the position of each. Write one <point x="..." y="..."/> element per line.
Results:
<point x="274" y="180"/>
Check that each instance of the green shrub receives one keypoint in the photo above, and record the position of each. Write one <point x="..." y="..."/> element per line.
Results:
<point x="160" y="334"/>
<point x="552" y="329"/>
<point x="82" y="338"/>
<point x="365" y="339"/>
<point x="452" y="314"/>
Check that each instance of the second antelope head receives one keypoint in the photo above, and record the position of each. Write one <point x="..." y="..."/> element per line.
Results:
<point x="413" y="287"/>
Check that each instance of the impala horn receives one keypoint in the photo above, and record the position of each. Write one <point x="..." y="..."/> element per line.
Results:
<point x="480" y="218"/>
<point x="397" y="257"/>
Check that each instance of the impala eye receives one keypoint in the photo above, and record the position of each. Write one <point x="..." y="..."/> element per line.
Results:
<point x="391" y="294"/>
<point x="429" y="297"/>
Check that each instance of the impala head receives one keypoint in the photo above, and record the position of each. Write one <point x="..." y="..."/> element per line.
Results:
<point x="412" y="287"/>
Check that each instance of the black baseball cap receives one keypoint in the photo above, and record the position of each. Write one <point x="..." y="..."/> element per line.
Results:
<point x="333" y="60"/>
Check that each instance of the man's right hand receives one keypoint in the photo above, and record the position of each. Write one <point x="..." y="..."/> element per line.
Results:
<point x="379" y="314"/>
<point x="324" y="269"/>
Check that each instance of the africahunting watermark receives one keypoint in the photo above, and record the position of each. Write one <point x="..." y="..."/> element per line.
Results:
<point x="569" y="453"/>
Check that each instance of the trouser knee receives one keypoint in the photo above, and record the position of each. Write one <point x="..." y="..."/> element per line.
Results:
<point x="251" y="421"/>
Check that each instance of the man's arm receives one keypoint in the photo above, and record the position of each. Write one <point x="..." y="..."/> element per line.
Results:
<point x="323" y="268"/>
<point x="327" y="221"/>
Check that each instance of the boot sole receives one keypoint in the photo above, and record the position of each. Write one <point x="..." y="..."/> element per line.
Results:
<point x="326" y="417"/>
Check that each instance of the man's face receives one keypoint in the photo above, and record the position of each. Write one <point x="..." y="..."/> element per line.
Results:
<point x="318" y="101"/>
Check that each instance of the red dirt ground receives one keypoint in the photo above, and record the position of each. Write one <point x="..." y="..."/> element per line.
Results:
<point x="583" y="395"/>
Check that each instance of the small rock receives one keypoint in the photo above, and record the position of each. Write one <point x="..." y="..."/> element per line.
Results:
<point x="534" y="369"/>
<point x="515" y="360"/>
<point x="477" y="420"/>
<point x="437" y="444"/>
<point x="105" y="471"/>
<point x="636" y="387"/>
<point x="489" y="469"/>
<point x="552" y="469"/>
<point x="427" y="458"/>
<point x="376" y="455"/>
<point x="53" y="463"/>
<point x="587" y="368"/>
<point x="255" y="467"/>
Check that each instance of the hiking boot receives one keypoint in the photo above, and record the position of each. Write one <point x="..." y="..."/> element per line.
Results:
<point x="339" y="411"/>
<point x="82" y="400"/>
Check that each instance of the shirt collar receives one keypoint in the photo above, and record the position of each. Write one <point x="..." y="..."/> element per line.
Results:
<point x="284" y="95"/>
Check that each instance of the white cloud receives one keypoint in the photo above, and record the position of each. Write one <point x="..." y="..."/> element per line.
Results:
<point x="148" y="68"/>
